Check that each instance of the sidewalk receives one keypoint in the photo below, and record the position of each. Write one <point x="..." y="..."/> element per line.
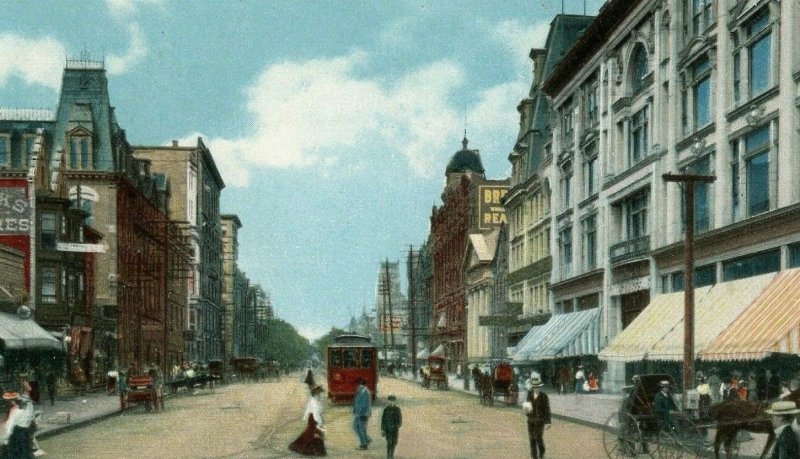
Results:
<point x="71" y="412"/>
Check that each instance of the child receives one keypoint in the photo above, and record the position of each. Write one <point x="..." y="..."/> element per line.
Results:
<point x="391" y="420"/>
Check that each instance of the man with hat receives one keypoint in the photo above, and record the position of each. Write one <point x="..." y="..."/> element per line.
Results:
<point x="537" y="409"/>
<point x="362" y="409"/>
<point x="785" y="445"/>
<point x="391" y="420"/>
<point x="664" y="404"/>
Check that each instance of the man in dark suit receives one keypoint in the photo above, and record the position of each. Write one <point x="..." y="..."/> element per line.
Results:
<point x="785" y="445"/>
<point x="664" y="404"/>
<point x="391" y="420"/>
<point x="537" y="409"/>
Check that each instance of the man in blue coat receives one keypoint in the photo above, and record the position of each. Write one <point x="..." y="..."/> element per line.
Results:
<point x="362" y="409"/>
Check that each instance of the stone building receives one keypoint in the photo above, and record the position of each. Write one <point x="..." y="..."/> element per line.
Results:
<point x="391" y="307"/>
<point x="702" y="87"/>
<point x="479" y="286"/>
<point x="230" y="254"/>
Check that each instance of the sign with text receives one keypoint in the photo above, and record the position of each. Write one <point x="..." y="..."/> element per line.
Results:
<point x="15" y="215"/>
<point x="77" y="247"/>
<point x="490" y="207"/>
<point x="498" y="320"/>
<point x="397" y="324"/>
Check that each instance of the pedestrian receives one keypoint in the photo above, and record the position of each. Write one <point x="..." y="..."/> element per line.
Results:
<point x="476" y="376"/>
<point x="563" y="379"/>
<point x="312" y="441"/>
<point x="762" y="387"/>
<point x="593" y="383"/>
<point x="785" y="445"/>
<point x="773" y="385"/>
<point x="362" y="409"/>
<point x="16" y="429"/>
<point x="704" y="392"/>
<point x="580" y="378"/>
<point x="50" y="383"/>
<point x="391" y="420"/>
<point x="458" y="371"/>
<point x="714" y="386"/>
<point x="122" y="388"/>
<point x="664" y="404"/>
<point x="537" y="410"/>
<point x="309" y="379"/>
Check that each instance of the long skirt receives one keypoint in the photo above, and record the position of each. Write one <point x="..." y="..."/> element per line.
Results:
<point x="18" y="445"/>
<point x="310" y="442"/>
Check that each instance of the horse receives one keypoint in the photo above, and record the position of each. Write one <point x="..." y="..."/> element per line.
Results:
<point x="485" y="390"/>
<point x="734" y="415"/>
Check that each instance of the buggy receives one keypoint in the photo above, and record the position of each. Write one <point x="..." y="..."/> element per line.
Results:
<point x="144" y="390"/>
<point x="501" y="383"/>
<point x="434" y="373"/>
<point x="636" y="429"/>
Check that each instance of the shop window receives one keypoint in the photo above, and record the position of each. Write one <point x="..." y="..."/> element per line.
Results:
<point x="752" y="265"/>
<point x="637" y="144"/>
<point x="49" y="230"/>
<point x="794" y="255"/>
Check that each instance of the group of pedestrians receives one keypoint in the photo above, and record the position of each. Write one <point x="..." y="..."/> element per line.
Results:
<point x="311" y="441"/>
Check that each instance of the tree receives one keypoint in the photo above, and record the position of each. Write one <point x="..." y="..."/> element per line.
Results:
<point x="281" y="342"/>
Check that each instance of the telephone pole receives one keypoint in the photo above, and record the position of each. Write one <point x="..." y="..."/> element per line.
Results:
<point x="688" y="180"/>
<point x="389" y="298"/>
<point x="411" y="320"/>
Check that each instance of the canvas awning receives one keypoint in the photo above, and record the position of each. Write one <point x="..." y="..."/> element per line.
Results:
<point x="657" y="333"/>
<point x="523" y="347"/>
<point x="423" y="354"/>
<point x="25" y="334"/>
<point x="439" y="351"/>
<point x="771" y="324"/>
<point x="571" y="334"/>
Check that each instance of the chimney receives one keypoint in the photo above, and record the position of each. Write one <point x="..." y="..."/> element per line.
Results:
<point x="538" y="55"/>
<point x="174" y="143"/>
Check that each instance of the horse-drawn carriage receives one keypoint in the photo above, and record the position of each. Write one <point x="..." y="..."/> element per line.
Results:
<point x="192" y="378"/>
<point x="143" y="390"/>
<point x="246" y="367"/>
<point x="636" y="428"/>
<point x="434" y="373"/>
<point x="500" y="382"/>
<point x="272" y="370"/>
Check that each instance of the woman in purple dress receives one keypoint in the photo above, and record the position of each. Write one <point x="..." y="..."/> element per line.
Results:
<point x="311" y="442"/>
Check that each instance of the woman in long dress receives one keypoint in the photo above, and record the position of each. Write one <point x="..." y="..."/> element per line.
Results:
<point x="311" y="441"/>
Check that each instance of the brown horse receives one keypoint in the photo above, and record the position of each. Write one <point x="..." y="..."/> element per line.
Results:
<point x="735" y="415"/>
<point x="485" y="390"/>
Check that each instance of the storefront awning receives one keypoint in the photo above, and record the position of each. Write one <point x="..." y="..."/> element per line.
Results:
<point x="657" y="333"/>
<point x="423" y="354"/>
<point x="25" y="334"/>
<point x="770" y="325"/>
<point x="565" y="335"/>
<point x="523" y="347"/>
<point x="439" y="351"/>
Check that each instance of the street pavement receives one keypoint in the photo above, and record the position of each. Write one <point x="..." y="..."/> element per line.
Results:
<point x="69" y="412"/>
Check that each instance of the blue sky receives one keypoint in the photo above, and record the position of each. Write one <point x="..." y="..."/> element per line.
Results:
<point x="331" y="122"/>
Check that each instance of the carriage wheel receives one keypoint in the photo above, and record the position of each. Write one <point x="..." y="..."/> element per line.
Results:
<point x="682" y="441"/>
<point x="622" y="437"/>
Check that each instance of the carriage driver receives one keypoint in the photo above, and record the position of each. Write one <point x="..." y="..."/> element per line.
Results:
<point x="663" y="404"/>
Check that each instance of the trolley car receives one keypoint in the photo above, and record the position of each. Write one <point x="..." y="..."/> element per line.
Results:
<point x="351" y="357"/>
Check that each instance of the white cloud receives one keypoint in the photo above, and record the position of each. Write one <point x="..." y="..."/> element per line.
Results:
<point x="313" y="332"/>
<point x="35" y="61"/>
<point x="137" y="50"/>
<point x="122" y="8"/>
<point x="517" y="39"/>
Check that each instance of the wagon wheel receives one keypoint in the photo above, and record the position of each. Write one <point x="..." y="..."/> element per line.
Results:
<point x="683" y="440"/>
<point x="622" y="437"/>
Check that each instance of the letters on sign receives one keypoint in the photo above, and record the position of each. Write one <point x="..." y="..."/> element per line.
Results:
<point x="491" y="212"/>
<point x="14" y="211"/>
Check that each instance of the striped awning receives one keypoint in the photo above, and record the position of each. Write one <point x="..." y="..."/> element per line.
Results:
<point x="657" y="333"/>
<point x="770" y="325"/>
<point x="523" y="346"/>
<point x="565" y="335"/>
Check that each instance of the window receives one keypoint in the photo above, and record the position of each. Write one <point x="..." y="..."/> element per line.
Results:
<point x="794" y="255"/>
<point x="366" y="358"/>
<point x="757" y="170"/>
<point x="737" y="68"/>
<point x="703" y="276"/>
<point x="591" y="104"/>
<point x="701" y="196"/>
<point x="636" y="208"/>
<point x="567" y="125"/>
<point x="80" y="152"/>
<point x="335" y="358"/>
<point x="566" y="179"/>
<point x="30" y="143"/>
<point x="759" y="52"/>
<point x="565" y="238"/>
<point x="752" y="265"/>
<point x="638" y="137"/>
<point x="5" y="144"/>
<point x="48" y="230"/>
<point x="590" y="169"/>
<point x="702" y="15"/>
<point x="349" y="358"/>
<point x="701" y="93"/>
<point x="49" y="279"/>
<point x="734" y="189"/>
<point x="640" y="68"/>
<point x="88" y="207"/>
<point x="588" y="302"/>
<point x="590" y="242"/>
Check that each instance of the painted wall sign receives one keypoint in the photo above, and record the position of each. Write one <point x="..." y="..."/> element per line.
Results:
<point x="77" y="247"/>
<point x="15" y="215"/>
<point x="491" y="212"/>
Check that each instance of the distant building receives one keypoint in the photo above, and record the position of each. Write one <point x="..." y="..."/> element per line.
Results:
<point x="391" y="306"/>
<point x="230" y="254"/>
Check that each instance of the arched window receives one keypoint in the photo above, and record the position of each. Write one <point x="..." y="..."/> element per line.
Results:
<point x="640" y="67"/>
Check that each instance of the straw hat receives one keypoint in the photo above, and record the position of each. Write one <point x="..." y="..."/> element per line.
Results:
<point x="783" y="407"/>
<point x="536" y="383"/>
<point x="10" y="396"/>
<point x="391" y="398"/>
<point x="664" y="383"/>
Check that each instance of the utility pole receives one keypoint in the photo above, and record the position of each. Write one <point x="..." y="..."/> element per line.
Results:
<point x="688" y="180"/>
<point x="389" y="296"/>
<point x="411" y="320"/>
<point x="383" y="289"/>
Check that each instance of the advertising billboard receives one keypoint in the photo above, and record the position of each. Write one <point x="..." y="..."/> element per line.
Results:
<point x="15" y="215"/>
<point x="490" y="208"/>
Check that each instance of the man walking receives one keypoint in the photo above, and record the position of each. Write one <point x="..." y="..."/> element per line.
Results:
<point x="537" y="408"/>
<point x="391" y="420"/>
<point x="362" y="409"/>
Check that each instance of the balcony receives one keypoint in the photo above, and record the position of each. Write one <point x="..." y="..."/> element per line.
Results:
<point x="632" y="248"/>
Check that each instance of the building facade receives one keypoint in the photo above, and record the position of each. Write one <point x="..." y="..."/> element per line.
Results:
<point x="230" y="254"/>
<point x="700" y="87"/>
<point x="391" y="307"/>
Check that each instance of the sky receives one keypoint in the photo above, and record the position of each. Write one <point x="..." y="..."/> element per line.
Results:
<point x="331" y="122"/>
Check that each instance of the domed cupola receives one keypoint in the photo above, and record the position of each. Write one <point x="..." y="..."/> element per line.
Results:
<point x="465" y="160"/>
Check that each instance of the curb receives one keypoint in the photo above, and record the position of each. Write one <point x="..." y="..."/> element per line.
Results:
<point x="75" y="425"/>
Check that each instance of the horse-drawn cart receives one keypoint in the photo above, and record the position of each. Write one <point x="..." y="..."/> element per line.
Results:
<point x="247" y="367"/>
<point x="434" y="373"/>
<point x="636" y="428"/>
<point x="499" y="383"/>
<point x="144" y="390"/>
